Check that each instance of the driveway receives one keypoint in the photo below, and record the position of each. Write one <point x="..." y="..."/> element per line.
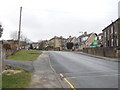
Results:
<point x="26" y="65"/>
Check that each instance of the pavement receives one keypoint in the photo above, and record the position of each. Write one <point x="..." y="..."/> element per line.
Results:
<point x="84" y="71"/>
<point x="101" y="57"/>
<point x="44" y="75"/>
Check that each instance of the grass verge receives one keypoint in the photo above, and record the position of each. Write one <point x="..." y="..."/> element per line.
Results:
<point x="18" y="80"/>
<point x="25" y="55"/>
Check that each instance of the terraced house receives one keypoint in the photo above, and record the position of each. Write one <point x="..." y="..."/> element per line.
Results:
<point x="111" y="34"/>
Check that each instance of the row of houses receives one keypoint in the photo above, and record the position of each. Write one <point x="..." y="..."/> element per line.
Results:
<point x="110" y="37"/>
<point x="83" y="41"/>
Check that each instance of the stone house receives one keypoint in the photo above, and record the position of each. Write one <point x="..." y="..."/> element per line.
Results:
<point x="111" y="34"/>
<point x="43" y="45"/>
<point x="86" y="40"/>
<point x="56" y="43"/>
<point x="64" y="44"/>
<point x="70" y="39"/>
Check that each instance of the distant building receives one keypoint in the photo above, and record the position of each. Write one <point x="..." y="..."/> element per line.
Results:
<point x="86" y="40"/>
<point x="99" y="39"/>
<point x="56" y="43"/>
<point x="35" y="45"/>
<point x="64" y="43"/>
<point x="43" y="45"/>
<point x="111" y="34"/>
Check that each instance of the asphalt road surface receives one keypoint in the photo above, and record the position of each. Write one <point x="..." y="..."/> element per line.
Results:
<point x="85" y="71"/>
<point x="26" y="65"/>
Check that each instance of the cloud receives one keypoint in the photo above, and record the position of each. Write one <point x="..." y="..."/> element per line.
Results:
<point x="44" y="19"/>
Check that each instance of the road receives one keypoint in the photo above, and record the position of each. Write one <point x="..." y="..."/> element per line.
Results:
<point x="84" y="71"/>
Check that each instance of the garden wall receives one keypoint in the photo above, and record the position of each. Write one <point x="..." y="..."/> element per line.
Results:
<point x="104" y="51"/>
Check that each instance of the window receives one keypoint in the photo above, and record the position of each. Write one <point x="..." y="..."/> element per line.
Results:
<point x="111" y="29"/>
<point x="115" y="28"/>
<point x="105" y="44"/>
<point x="117" y="42"/>
<point x="112" y="42"/>
<point x="108" y="32"/>
<point x="105" y="34"/>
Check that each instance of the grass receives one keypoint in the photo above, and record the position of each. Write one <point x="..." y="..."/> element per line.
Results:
<point x="19" y="80"/>
<point x="25" y="55"/>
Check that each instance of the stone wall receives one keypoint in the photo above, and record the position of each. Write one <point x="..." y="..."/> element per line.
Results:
<point x="104" y="51"/>
<point x="9" y="52"/>
<point x="9" y="49"/>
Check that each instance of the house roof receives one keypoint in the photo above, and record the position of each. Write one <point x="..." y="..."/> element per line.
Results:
<point x="100" y="34"/>
<point x="85" y="35"/>
<point x="56" y="38"/>
<point x="111" y="24"/>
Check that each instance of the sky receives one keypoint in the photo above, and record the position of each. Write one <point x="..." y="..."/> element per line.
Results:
<point x="44" y="19"/>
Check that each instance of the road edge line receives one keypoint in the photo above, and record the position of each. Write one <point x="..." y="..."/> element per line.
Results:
<point x="67" y="81"/>
<point x="54" y="71"/>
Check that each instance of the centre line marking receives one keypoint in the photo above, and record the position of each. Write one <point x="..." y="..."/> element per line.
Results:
<point x="68" y="82"/>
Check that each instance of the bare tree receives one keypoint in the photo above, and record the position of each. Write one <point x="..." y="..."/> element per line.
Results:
<point x="23" y="37"/>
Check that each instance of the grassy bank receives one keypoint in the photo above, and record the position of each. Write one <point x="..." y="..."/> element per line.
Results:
<point x="25" y="55"/>
<point x="18" y="80"/>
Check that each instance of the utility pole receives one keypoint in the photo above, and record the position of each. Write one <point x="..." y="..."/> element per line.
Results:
<point x="19" y="32"/>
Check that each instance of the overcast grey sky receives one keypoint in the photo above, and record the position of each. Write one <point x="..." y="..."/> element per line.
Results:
<point x="44" y="19"/>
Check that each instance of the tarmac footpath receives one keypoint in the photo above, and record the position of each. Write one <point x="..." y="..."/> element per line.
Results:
<point x="44" y="76"/>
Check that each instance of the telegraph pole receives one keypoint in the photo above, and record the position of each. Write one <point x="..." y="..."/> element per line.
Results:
<point x="19" y="32"/>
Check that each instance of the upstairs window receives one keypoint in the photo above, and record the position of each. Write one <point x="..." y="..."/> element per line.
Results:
<point x="105" y="34"/>
<point x="111" y="29"/>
